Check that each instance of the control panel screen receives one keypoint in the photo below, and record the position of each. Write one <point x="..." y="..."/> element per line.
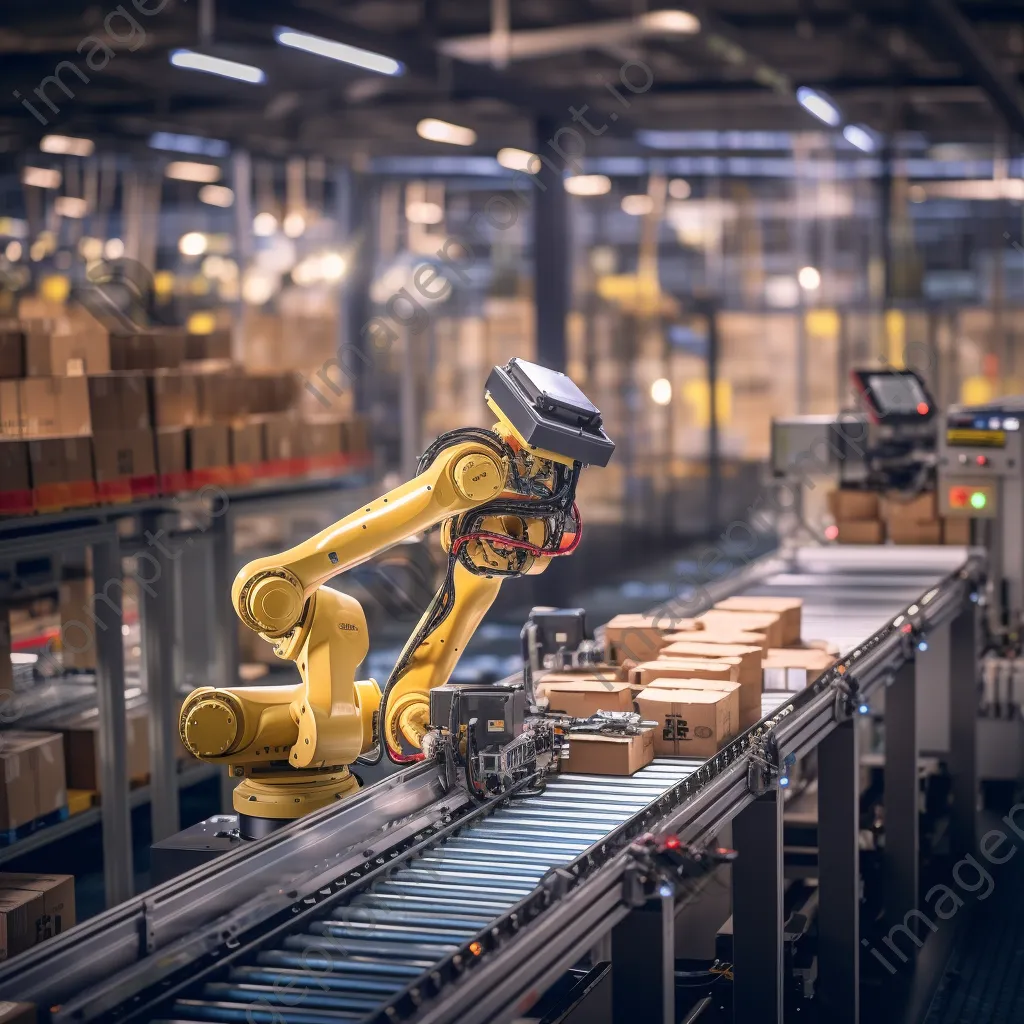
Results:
<point x="896" y="397"/>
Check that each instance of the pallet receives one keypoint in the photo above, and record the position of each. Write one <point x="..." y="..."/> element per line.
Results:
<point x="9" y="837"/>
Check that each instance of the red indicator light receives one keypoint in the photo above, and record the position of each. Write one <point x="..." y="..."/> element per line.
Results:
<point x="981" y="460"/>
<point x="831" y="532"/>
<point x="922" y="408"/>
<point x="906" y="627"/>
<point x="672" y="843"/>
<point x="959" y="497"/>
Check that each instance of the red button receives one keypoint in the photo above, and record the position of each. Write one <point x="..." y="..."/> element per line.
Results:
<point x="922" y="408"/>
<point x="959" y="497"/>
<point x="981" y="460"/>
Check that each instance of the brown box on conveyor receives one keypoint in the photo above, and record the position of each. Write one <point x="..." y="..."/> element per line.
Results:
<point x="860" y="531"/>
<point x="723" y="669"/>
<point x="34" y="908"/>
<point x="921" y="508"/>
<point x="793" y="668"/>
<point x="956" y="531"/>
<point x="788" y="609"/>
<point x="609" y="755"/>
<point x="905" y="531"/>
<point x="749" y="674"/>
<point x="582" y="698"/>
<point x="640" y="637"/>
<point x="716" y="634"/>
<point x="853" y="505"/>
<point x="691" y="723"/>
<point x="766" y="623"/>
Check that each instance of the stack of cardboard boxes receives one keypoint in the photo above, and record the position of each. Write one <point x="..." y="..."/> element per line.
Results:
<point x="33" y="908"/>
<point x="32" y="778"/>
<point x="91" y="416"/>
<point x="864" y="517"/>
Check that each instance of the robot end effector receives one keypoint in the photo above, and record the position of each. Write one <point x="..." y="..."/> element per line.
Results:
<point x="506" y="499"/>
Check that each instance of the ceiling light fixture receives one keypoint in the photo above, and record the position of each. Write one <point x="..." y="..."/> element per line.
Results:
<point x="216" y="195"/>
<point x="809" y="278"/>
<point x="190" y="60"/>
<point x="638" y="205"/>
<point x="588" y="185"/>
<point x="65" y="145"/>
<point x="359" y="58"/>
<point x="194" y="145"/>
<point x="187" y="170"/>
<point x="264" y="225"/>
<point x="434" y="130"/>
<point x="675" y="21"/>
<point x="41" y="177"/>
<point x="70" y="206"/>
<point x="858" y="136"/>
<point x="679" y="188"/>
<point x="518" y="160"/>
<point x="819" y="105"/>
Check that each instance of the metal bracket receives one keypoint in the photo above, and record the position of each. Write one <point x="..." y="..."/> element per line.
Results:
<point x="764" y="767"/>
<point x="847" y="697"/>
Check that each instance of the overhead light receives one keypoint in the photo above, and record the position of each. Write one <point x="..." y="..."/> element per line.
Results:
<point x="809" y="278"/>
<point x="678" y="22"/>
<point x="71" y="206"/>
<point x="588" y="185"/>
<point x="638" y="205"/>
<point x="917" y="193"/>
<point x="661" y="391"/>
<point x="258" y="286"/>
<point x="518" y="160"/>
<point x="194" y="145"/>
<point x="13" y="251"/>
<point x="187" y="170"/>
<point x="65" y="145"/>
<point x="216" y="195"/>
<point x="193" y="244"/>
<point x="264" y="225"/>
<point x="333" y="266"/>
<point x="433" y="130"/>
<point x="679" y="188"/>
<point x="424" y="213"/>
<point x="819" y="105"/>
<point x="113" y="249"/>
<point x="41" y="177"/>
<point x="294" y="224"/>
<point x="860" y="137"/>
<point x="192" y="61"/>
<point x="338" y="51"/>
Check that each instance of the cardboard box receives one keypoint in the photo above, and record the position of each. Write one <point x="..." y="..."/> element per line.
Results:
<point x="175" y="399"/>
<point x="246" y="443"/>
<point x="56" y="354"/>
<point x="123" y="455"/>
<point x="119" y="402"/>
<point x="19" y="911"/>
<point x="171" y="451"/>
<point x="355" y="436"/>
<point x="903" y="531"/>
<point x="860" y="531"/>
<point x="209" y="446"/>
<point x="322" y="438"/>
<point x="602" y="673"/>
<point x="33" y="782"/>
<point x="214" y="345"/>
<point x="152" y="349"/>
<point x="282" y="438"/>
<point x="76" y="612"/>
<point x="640" y="637"/>
<point x="691" y="723"/>
<point x="582" y="698"/>
<point x="10" y="409"/>
<point x="792" y="668"/>
<point x="722" y="635"/>
<point x="750" y="657"/>
<point x="221" y="396"/>
<point x="788" y="609"/>
<point x="853" y="505"/>
<point x="609" y="755"/>
<point x="54" y="407"/>
<point x="44" y="906"/>
<point x="60" y="460"/>
<point x="956" y="531"/>
<point x="722" y="669"/>
<point x="766" y="623"/>
<point x="12" y="351"/>
<point x="919" y="509"/>
<point x="17" y="1013"/>
<point x="15" y="474"/>
<point x="81" y="747"/>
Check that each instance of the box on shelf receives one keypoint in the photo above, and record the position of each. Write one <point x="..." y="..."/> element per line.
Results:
<point x="788" y="609"/>
<point x="171" y="451"/>
<point x="123" y="455"/>
<point x="921" y="508"/>
<point x="860" y="531"/>
<point x="956" y="531"/>
<point x="175" y="399"/>
<point x="691" y="723"/>
<point x="34" y="908"/>
<point x="215" y="344"/>
<point x="154" y="348"/>
<point x="609" y="755"/>
<point x="355" y="436"/>
<point x="902" y="531"/>
<point x="322" y="438"/>
<point x="33" y="783"/>
<point x="208" y="446"/>
<point x="766" y="623"/>
<point x="12" y="351"/>
<point x="54" y="354"/>
<point x="60" y="460"/>
<point x="853" y="505"/>
<point x="77" y="627"/>
<point x="282" y="437"/>
<point x="15" y="474"/>
<point x="640" y="637"/>
<point x="220" y="396"/>
<point x="582" y="698"/>
<point x="246" y="443"/>
<point x="119" y="402"/>
<point x="792" y="668"/>
<point x="53" y="407"/>
<point x="81" y="747"/>
<point x="10" y="409"/>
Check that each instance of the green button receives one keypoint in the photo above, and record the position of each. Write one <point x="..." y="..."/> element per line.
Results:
<point x="979" y="499"/>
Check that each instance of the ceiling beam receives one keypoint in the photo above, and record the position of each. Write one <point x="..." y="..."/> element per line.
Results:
<point x="979" y="63"/>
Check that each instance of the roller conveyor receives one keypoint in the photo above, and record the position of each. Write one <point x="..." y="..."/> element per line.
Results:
<point x="364" y="947"/>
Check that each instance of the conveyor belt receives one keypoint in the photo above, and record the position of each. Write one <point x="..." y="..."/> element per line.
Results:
<point x="364" y="947"/>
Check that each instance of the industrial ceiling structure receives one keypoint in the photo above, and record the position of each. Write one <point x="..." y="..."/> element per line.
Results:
<point x="105" y="71"/>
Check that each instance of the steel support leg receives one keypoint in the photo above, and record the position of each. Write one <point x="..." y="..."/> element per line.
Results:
<point x="552" y="252"/>
<point x="113" y="741"/>
<point x="839" y="875"/>
<point x="644" y="964"/>
<point x="156" y="604"/>
<point x="902" y="788"/>
<point x="963" y="729"/>
<point x="225" y="622"/>
<point x="757" y="912"/>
